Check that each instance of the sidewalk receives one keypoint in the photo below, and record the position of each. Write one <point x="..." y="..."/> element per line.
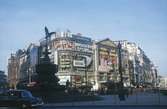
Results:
<point x="109" y="100"/>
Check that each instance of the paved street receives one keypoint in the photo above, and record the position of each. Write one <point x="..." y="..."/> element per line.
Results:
<point x="99" y="107"/>
<point x="109" y="107"/>
<point x="135" y="99"/>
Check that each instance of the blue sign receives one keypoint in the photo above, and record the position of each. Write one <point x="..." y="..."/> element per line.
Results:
<point x="82" y="39"/>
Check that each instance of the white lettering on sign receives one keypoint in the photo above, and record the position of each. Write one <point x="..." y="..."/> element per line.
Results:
<point x="79" y="63"/>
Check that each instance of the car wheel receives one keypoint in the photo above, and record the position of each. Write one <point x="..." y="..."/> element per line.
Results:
<point x="24" y="106"/>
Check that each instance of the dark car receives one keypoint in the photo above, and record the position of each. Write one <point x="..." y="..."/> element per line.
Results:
<point x="19" y="98"/>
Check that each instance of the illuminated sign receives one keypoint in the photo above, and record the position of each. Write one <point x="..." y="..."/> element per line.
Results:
<point x="81" y="39"/>
<point x="72" y="45"/>
<point x="63" y="44"/>
<point x="83" y="47"/>
<point x="56" y="57"/>
<point x="79" y="63"/>
<point x="107" y="58"/>
<point x="63" y="79"/>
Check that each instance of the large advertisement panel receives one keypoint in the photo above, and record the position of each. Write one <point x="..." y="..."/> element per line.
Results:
<point x="82" y="39"/>
<point x="64" y="79"/>
<point x="71" y="45"/>
<point x="79" y="63"/>
<point x="107" y="59"/>
<point x="82" y="62"/>
<point x="75" y="54"/>
<point x="65" y="61"/>
<point x="63" y="45"/>
<point x="83" y="47"/>
<point x="75" y="61"/>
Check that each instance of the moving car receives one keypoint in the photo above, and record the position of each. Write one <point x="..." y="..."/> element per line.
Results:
<point x="19" y="98"/>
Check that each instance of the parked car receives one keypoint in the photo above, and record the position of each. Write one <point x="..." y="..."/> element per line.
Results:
<point x="19" y="98"/>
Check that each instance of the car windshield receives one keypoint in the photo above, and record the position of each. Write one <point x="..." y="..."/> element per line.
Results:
<point x="26" y="94"/>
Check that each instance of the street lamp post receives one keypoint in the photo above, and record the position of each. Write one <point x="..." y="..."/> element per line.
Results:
<point x="120" y="61"/>
<point x="120" y="64"/>
<point x="86" y="75"/>
<point x="121" y="90"/>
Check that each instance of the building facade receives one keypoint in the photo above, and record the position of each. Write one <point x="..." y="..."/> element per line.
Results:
<point x="84" y="62"/>
<point x="74" y="56"/>
<point x="106" y="62"/>
<point x="3" y="80"/>
<point x="21" y="66"/>
<point x="142" y="71"/>
<point x="163" y="82"/>
<point x="12" y="71"/>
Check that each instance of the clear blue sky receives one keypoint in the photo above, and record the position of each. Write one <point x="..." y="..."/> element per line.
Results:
<point x="140" y="21"/>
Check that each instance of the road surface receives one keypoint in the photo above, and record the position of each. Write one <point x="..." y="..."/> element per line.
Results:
<point x="97" y="107"/>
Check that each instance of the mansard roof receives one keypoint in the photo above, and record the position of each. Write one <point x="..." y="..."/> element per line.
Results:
<point x="107" y="42"/>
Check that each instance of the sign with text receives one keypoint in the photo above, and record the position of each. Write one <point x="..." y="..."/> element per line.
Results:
<point x="78" y="63"/>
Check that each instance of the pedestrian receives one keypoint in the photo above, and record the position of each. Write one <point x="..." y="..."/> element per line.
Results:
<point x="121" y="95"/>
<point x="127" y="92"/>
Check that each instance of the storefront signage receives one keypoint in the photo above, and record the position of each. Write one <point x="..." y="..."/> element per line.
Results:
<point x="63" y="79"/>
<point x="83" y="47"/>
<point x="78" y="63"/>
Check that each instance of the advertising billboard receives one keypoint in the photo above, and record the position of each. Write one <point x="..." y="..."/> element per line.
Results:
<point x="64" y="61"/>
<point x="83" y="47"/>
<point x="83" y="62"/>
<point x="55" y="57"/>
<point x="78" y="63"/>
<point x="82" y="39"/>
<point x="63" y="44"/>
<point x="63" y="79"/>
<point x="107" y="59"/>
